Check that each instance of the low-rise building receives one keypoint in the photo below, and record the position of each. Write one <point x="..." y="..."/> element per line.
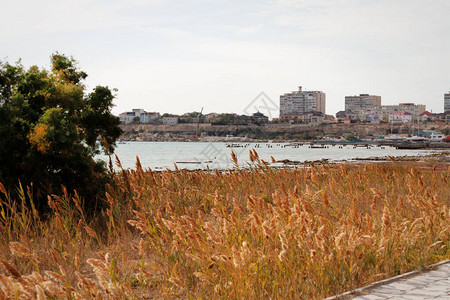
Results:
<point x="364" y="107"/>
<point x="170" y="120"/>
<point x="400" y="117"/>
<point x="259" y="118"/>
<point x="426" y="117"/>
<point x="291" y="118"/>
<point x="443" y="117"/>
<point x="414" y="109"/>
<point x="211" y="116"/>
<point x="138" y="115"/>
<point x="329" y="119"/>
<point x="127" y="117"/>
<point x="373" y="118"/>
<point x="149" y="117"/>
<point x="311" y="117"/>
<point x="346" y="115"/>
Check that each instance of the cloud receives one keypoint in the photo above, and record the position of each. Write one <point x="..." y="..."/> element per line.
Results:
<point x="358" y="19"/>
<point x="192" y="52"/>
<point x="242" y="30"/>
<point x="53" y="16"/>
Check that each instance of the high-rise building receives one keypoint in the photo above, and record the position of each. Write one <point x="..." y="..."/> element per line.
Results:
<point x="300" y="102"/>
<point x="447" y="102"/>
<point x="362" y="103"/>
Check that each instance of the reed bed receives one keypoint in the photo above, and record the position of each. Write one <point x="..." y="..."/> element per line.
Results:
<point x="256" y="232"/>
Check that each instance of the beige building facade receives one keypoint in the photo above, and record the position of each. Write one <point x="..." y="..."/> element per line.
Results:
<point x="362" y="103"/>
<point x="414" y="109"/>
<point x="300" y="102"/>
<point x="447" y="102"/>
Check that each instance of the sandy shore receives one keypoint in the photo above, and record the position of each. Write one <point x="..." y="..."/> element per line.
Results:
<point x="442" y="159"/>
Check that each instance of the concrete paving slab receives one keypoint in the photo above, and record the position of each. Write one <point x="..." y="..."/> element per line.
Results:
<point x="398" y="286"/>
<point x="431" y="284"/>
<point x="373" y="297"/>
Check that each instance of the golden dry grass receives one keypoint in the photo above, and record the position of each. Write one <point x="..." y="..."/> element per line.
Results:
<point x="259" y="233"/>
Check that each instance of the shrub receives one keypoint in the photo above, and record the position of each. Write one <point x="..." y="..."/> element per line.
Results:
<point x="49" y="130"/>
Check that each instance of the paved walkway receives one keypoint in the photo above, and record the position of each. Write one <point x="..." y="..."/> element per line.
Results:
<point x="434" y="284"/>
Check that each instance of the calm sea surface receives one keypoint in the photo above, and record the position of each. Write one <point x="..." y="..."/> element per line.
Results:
<point x="198" y="155"/>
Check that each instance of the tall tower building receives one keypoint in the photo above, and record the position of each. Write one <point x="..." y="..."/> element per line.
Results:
<point x="362" y="103"/>
<point x="447" y="102"/>
<point x="299" y="102"/>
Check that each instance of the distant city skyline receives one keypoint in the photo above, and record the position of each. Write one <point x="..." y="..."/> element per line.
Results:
<point x="180" y="56"/>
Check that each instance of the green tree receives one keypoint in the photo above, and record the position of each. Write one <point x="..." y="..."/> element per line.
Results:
<point x="50" y="130"/>
<point x="352" y="138"/>
<point x="168" y="115"/>
<point x="224" y="119"/>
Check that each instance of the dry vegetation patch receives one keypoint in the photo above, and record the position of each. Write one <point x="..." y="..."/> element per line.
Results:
<point x="254" y="233"/>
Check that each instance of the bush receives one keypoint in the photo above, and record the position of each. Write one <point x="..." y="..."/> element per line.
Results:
<point x="49" y="130"/>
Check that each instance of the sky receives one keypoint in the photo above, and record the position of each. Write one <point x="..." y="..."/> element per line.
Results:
<point x="179" y="56"/>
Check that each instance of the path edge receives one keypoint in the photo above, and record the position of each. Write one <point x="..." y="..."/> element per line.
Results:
<point x="361" y="290"/>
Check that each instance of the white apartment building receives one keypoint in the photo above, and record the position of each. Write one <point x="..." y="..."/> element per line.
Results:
<point x="147" y="117"/>
<point x="299" y="102"/>
<point x="127" y="117"/>
<point x="138" y="115"/>
<point x="447" y="102"/>
<point x="364" y="103"/>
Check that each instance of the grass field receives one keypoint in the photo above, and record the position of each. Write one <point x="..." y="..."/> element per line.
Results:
<point x="244" y="233"/>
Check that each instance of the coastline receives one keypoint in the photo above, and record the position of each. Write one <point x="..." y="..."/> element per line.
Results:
<point x="216" y="155"/>
<point x="442" y="159"/>
<point x="206" y="132"/>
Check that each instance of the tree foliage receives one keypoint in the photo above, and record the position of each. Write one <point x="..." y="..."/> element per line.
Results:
<point x="50" y="128"/>
<point x="224" y="119"/>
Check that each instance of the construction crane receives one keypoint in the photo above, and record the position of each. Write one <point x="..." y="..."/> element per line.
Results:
<point x="198" y="124"/>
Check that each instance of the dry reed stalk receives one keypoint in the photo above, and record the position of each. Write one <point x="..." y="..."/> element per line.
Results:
<point x="91" y="232"/>
<point x="85" y="283"/>
<point x="233" y="233"/>
<point x="21" y="250"/>
<point x="40" y="294"/>
<point x="53" y="290"/>
<point x="3" y="190"/>
<point x="177" y="282"/>
<point x="11" y="269"/>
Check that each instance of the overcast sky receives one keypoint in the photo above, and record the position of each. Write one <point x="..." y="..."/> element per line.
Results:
<point x="179" y="56"/>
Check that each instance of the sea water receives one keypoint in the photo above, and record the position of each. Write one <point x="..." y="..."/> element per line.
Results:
<point x="217" y="155"/>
